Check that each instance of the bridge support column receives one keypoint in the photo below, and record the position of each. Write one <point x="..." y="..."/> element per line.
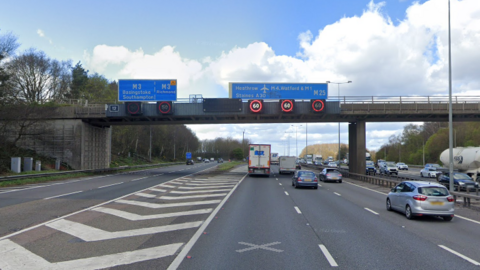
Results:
<point x="356" y="147"/>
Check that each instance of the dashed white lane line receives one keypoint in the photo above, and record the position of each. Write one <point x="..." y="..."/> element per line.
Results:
<point x="136" y="217"/>
<point x="21" y="258"/>
<point x="338" y="194"/>
<point x="366" y="188"/>
<point x="191" y="197"/>
<point x="90" y="234"/>
<point x="280" y="184"/>
<point x="319" y="185"/>
<point x="297" y="209"/>
<point x="111" y="185"/>
<point x="166" y="205"/>
<point x="327" y="255"/>
<point x="286" y="193"/>
<point x="371" y="211"/>
<point x="276" y="179"/>
<point x="63" y="195"/>
<point x="460" y="255"/>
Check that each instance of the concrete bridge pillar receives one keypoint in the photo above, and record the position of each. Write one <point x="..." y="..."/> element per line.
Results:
<point x="356" y="147"/>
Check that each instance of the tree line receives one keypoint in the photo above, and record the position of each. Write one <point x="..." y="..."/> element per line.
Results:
<point x="31" y="80"/>
<point x="424" y="143"/>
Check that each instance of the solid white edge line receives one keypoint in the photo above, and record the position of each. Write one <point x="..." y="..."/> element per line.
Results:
<point x="297" y="209"/>
<point x="327" y="255"/>
<point x="181" y="256"/>
<point x="63" y="195"/>
<point x="286" y="193"/>
<point x="371" y="211"/>
<point x="111" y="185"/>
<point x="460" y="255"/>
<point x="84" y="210"/>
<point x="467" y="219"/>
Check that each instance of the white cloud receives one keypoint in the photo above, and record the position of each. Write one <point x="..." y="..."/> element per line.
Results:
<point x="409" y="58"/>
<point x="40" y="33"/>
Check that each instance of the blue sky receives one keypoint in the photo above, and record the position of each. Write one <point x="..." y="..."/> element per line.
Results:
<point x="387" y="48"/>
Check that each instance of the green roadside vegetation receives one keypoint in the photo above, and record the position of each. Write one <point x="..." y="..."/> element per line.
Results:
<point x="229" y="165"/>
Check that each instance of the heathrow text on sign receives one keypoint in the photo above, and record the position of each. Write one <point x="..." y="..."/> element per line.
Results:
<point x="278" y="90"/>
<point x="147" y="90"/>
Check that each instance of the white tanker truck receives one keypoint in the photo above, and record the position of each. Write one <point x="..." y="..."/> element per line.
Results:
<point x="465" y="159"/>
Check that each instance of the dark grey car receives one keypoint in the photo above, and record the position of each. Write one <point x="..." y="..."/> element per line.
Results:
<point x="304" y="178"/>
<point x="329" y="174"/>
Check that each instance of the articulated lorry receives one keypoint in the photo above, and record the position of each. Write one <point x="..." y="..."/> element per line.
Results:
<point x="287" y="164"/>
<point x="259" y="159"/>
<point x="465" y="159"/>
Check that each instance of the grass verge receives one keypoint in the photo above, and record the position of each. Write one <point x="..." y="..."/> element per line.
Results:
<point x="229" y="165"/>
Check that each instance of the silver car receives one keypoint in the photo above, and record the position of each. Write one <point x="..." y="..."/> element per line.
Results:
<point x="419" y="198"/>
<point x="330" y="175"/>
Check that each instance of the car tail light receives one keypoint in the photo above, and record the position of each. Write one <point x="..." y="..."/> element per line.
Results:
<point x="450" y="198"/>
<point x="340" y="175"/>
<point x="315" y="180"/>
<point x="420" y="197"/>
<point x="327" y="174"/>
<point x="299" y="179"/>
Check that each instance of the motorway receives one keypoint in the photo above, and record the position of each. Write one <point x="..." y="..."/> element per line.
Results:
<point x="170" y="218"/>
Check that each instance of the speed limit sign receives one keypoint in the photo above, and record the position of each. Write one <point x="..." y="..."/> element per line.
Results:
<point x="287" y="105"/>
<point x="318" y="105"/>
<point x="256" y="105"/>
<point x="164" y="107"/>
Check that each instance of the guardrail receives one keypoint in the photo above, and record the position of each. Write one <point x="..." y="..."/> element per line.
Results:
<point x="104" y="170"/>
<point x="391" y="181"/>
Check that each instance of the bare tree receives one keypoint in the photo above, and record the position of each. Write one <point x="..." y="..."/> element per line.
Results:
<point x="35" y="78"/>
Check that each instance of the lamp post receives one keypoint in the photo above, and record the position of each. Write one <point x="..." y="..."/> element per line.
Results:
<point x="450" y="113"/>
<point x="338" y="85"/>
<point x="288" y="140"/>
<point x="296" y="141"/>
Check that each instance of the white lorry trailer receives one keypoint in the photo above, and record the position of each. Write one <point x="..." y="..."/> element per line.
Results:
<point x="275" y="159"/>
<point x="259" y="159"/>
<point x="465" y="159"/>
<point x="287" y="164"/>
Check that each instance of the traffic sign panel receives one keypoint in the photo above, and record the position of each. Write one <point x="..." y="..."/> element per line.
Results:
<point x="278" y="90"/>
<point x="147" y="90"/>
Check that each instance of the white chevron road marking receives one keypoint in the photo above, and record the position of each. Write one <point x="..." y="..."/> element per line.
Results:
<point x="90" y="234"/>
<point x="165" y="205"/>
<point x="14" y="256"/>
<point x="136" y="217"/>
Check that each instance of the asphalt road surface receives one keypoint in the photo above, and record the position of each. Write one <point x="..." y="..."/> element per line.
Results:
<point x="170" y="218"/>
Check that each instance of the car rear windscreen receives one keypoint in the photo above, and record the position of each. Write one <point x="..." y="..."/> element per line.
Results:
<point x="306" y="174"/>
<point x="433" y="191"/>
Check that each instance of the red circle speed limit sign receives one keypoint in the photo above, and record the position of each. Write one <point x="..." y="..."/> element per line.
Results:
<point x="164" y="107"/>
<point x="287" y="105"/>
<point x="318" y="105"/>
<point x="256" y="106"/>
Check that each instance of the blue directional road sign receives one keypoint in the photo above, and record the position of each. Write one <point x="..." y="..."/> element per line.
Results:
<point x="147" y="90"/>
<point x="278" y="90"/>
<point x="189" y="155"/>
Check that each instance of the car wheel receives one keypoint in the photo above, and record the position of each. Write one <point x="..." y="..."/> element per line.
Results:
<point x="429" y="175"/>
<point x="293" y="184"/>
<point x="421" y="174"/>
<point x="447" y="218"/>
<point x="296" y="186"/>
<point x="408" y="212"/>
<point x="389" y="205"/>
<point x="340" y="181"/>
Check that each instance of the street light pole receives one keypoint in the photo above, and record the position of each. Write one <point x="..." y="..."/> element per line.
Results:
<point x="338" y="87"/>
<point x="296" y="140"/>
<point x="450" y="117"/>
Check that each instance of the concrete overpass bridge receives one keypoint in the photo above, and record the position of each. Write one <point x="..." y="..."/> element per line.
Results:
<point x="90" y="133"/>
